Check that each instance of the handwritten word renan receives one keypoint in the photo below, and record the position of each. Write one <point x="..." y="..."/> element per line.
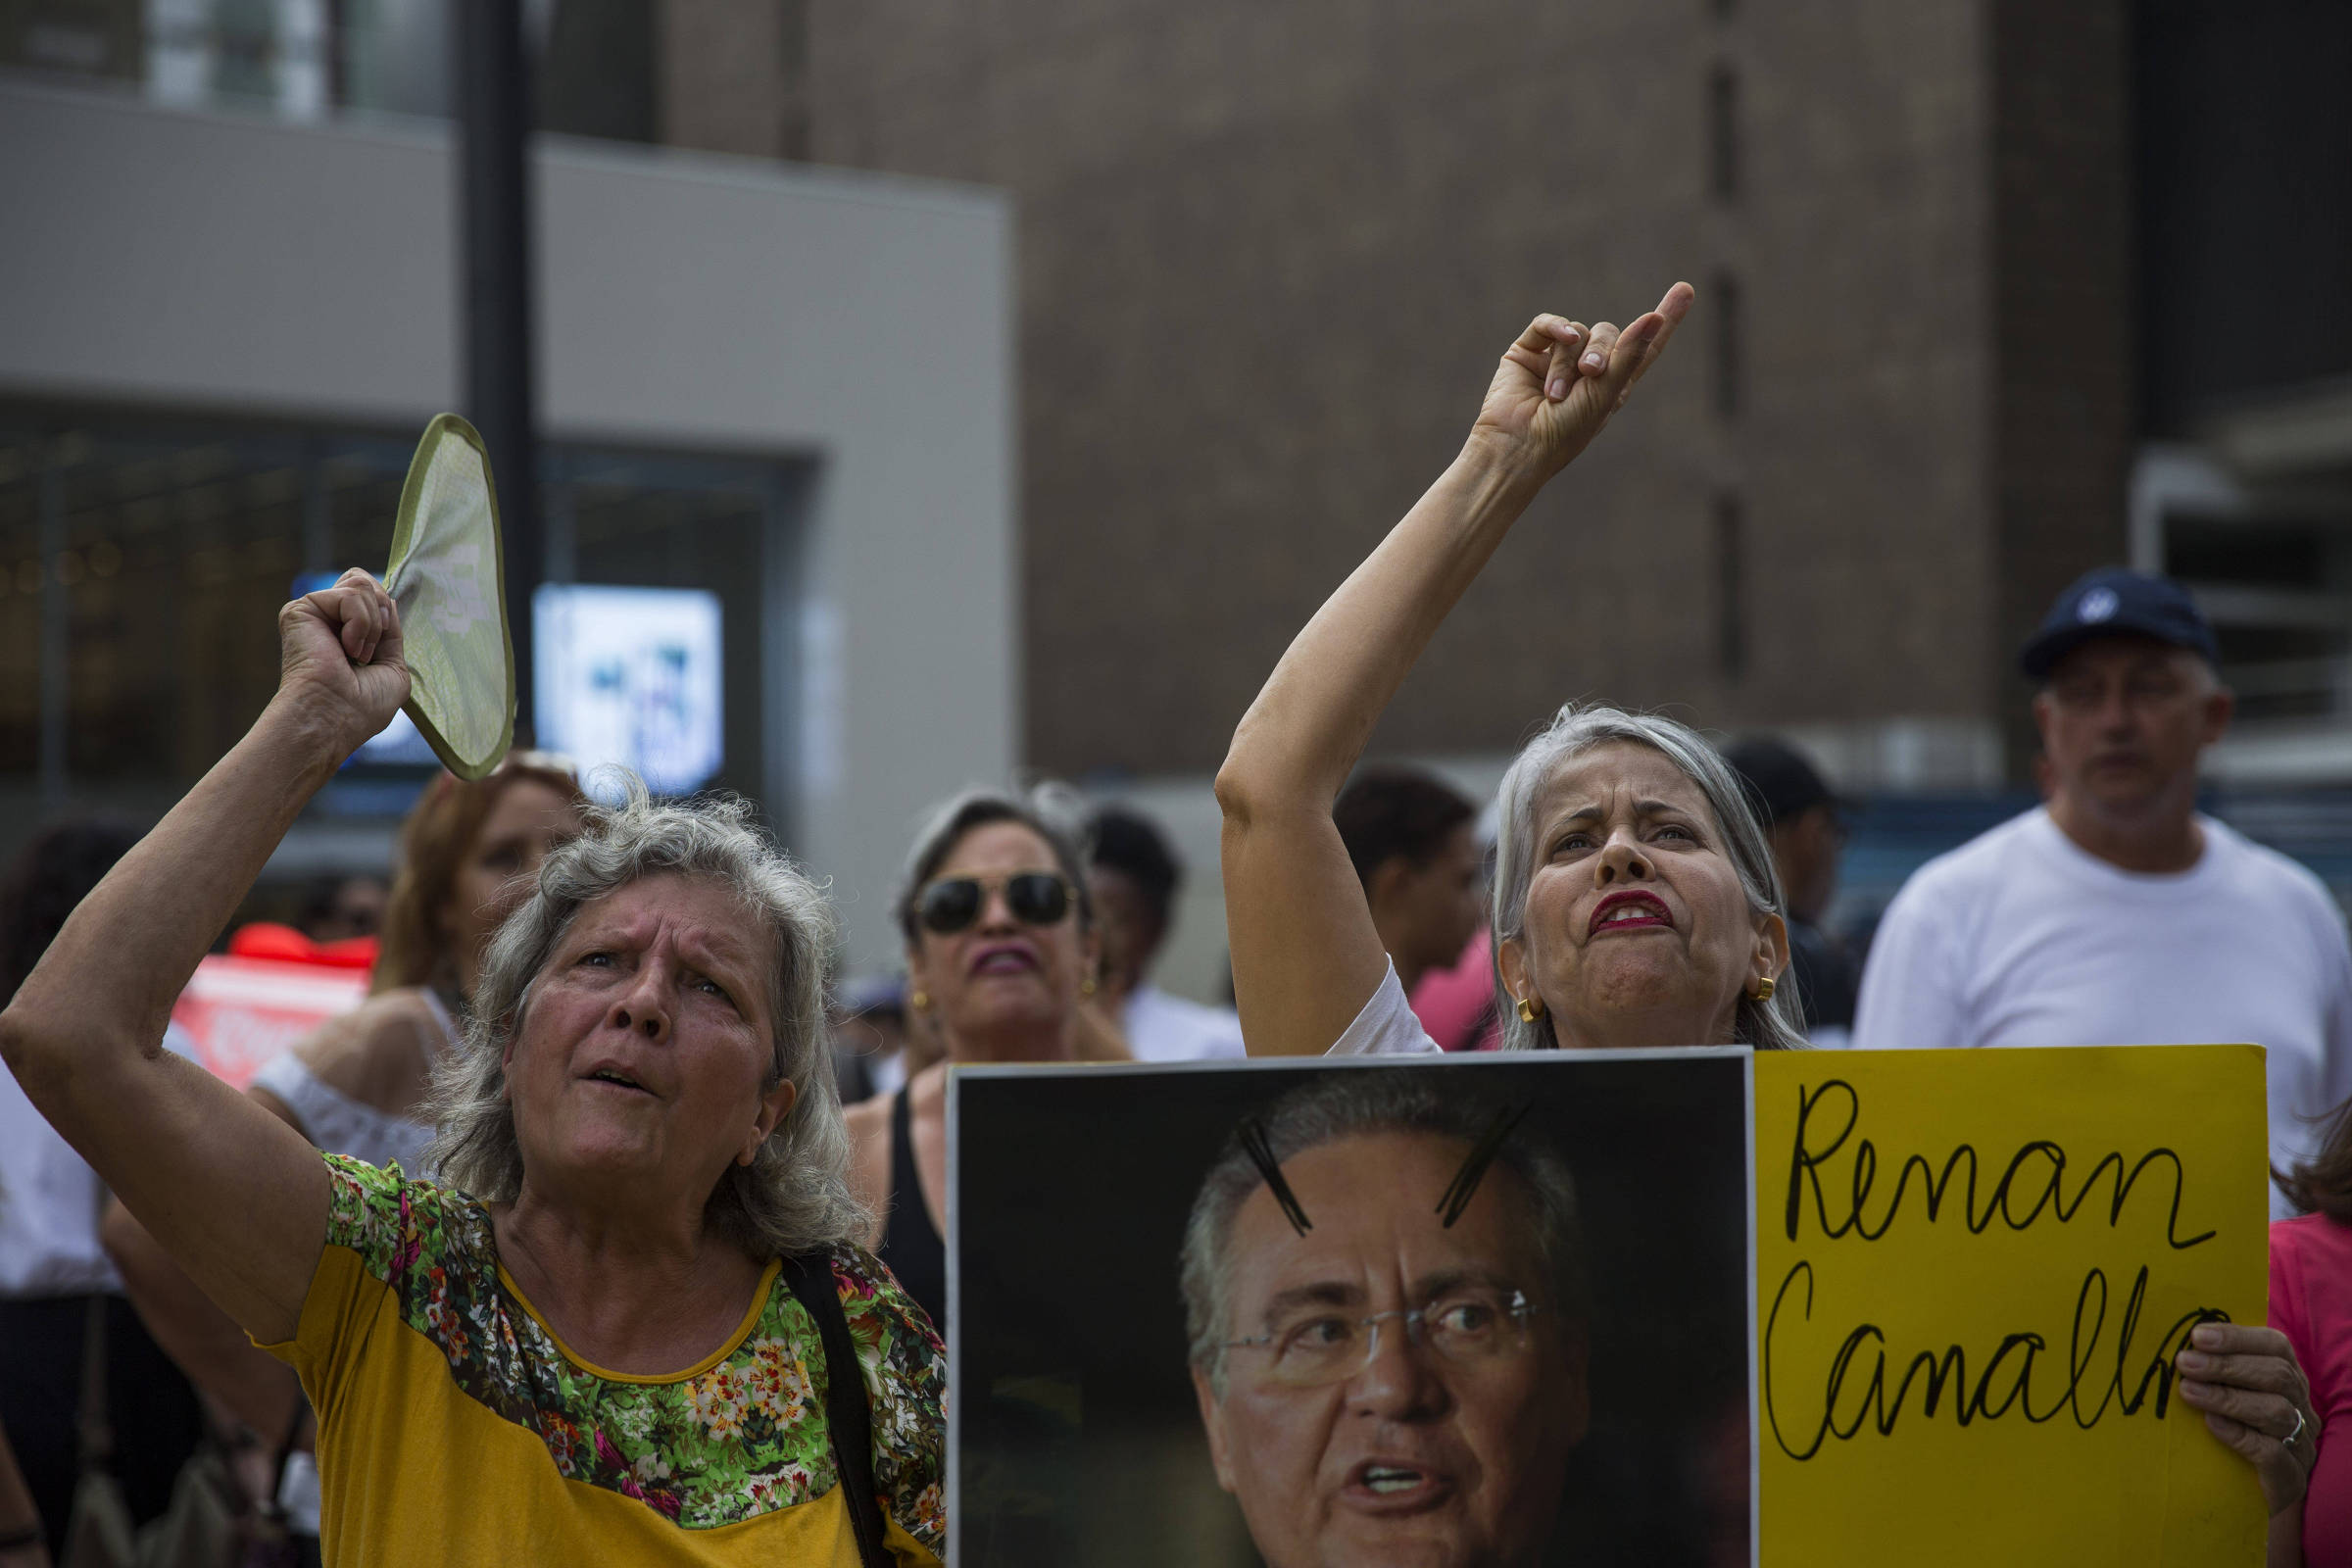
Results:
<point x="2034" y="1175"/>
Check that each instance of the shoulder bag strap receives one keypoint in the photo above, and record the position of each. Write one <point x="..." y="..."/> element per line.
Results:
<point x="95" y="1436"/>
<point x="848" y="1423"/>
<point x="97" y="1431"/>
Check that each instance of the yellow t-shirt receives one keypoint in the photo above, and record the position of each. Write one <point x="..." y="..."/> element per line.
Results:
<point x="454" y="1426"/>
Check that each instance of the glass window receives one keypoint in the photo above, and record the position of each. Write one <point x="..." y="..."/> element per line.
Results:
<point x="311" y="58"/>
<point x="174" y="544"/>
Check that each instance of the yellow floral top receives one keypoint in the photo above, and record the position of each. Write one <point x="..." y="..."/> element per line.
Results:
<point x="454" y="1427"/>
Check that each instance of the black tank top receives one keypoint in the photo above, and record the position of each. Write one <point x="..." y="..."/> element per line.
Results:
<point x="910" y="1243"/>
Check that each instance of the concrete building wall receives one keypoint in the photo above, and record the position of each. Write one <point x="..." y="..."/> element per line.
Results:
<point x="732" y="77"/>
<point x="195" y="263"/>
<point x="1269" y="255"/>
<point x="1861" y="450"/>
<point x="2065" y="273"/>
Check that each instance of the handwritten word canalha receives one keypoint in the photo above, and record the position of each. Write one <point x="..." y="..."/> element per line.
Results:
<point x="1855" y="1392"/>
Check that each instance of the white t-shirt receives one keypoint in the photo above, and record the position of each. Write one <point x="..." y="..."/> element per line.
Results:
<point x="1385" y="1025"/>
<point x="342" y="1125"/>
<point x="2022" y="938"/>
<point x="49" y="1201"/>
<point x="1164" y="1028"/>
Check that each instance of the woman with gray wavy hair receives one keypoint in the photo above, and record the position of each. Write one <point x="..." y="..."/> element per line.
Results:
<point x="631" y="1321"/>
<point x="1635" y="901"/>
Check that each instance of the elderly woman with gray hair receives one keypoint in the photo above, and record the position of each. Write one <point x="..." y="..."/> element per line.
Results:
<point x="1635" y="901"/>
<point x="631" y="1323"/>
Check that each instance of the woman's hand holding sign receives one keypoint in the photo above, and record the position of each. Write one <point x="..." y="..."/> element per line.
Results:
<point x="2257" y="1401"/>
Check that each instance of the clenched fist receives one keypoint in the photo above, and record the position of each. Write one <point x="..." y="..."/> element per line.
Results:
<point x="340" y="658"/>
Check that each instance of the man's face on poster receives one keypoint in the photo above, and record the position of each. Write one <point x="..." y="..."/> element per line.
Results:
<point x="1435" y="1443"/>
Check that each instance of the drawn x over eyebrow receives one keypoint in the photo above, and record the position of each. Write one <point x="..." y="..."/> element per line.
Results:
<point x="1464" y="1185"/>
<point x="1452" y="1204"/>
<point x="1252" y="1136"/>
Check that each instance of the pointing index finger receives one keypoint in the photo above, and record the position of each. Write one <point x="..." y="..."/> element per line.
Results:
<point x="1641" y="343"/>
<point x="1658" y="325"/>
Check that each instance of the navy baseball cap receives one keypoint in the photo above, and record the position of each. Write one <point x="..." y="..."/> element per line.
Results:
<point x="2112" y="602"/>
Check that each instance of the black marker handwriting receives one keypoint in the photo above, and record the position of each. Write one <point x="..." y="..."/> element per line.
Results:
<point x="2036" y="1172"/>
<point x="2006" y="1382"/>
<point x="1252" y="1136"/>
<point x="1464" y="1185"/>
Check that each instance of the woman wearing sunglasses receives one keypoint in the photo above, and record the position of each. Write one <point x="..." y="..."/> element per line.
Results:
<point x="1000" y="956"/>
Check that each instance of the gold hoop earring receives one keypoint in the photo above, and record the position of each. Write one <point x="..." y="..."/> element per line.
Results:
<point x="921" y="1001"/>
<point x="1530" y="1009"/>
<point x="1086" y="986"/>
<point x="1766" y="985"/>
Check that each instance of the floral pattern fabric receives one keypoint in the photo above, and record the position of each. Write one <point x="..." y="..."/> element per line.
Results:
<point x="742" y="1437"/>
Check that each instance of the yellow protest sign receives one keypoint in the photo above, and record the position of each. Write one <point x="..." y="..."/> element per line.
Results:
<point x="1974" y="1268"/>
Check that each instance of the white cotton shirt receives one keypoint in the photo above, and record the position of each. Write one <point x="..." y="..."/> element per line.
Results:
<point x="342" y="1125"/>
<point x="1164" y="1028"/>
<point x="1385" y="1026"/>
<point x="50" y="1202"/>
<point x="2022" y="938"/>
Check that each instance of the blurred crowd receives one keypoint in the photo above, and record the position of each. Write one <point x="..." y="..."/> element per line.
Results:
<point x="107" y="1349"/>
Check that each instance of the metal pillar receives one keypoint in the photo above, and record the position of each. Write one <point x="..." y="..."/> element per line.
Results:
<point x="494" y="115"/>
<point x="799" y="670"/>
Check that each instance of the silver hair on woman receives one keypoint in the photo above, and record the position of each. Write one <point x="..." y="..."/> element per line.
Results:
<point x="795" y="1196"/>
<point x="1360" y="1102"/>
<point x="1777" y="1024"/>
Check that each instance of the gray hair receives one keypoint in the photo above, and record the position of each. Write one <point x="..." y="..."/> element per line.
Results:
<point x="1054" y="812"/>
<point x="1344" y="1103"/>
<point x="795" y="1195"/>
<point x="1773" y="1025"/>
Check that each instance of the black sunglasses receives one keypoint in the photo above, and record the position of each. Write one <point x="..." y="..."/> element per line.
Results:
<point x="953" y="902"/>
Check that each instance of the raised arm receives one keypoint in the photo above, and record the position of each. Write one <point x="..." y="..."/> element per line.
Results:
<point x="235" y="1196"/>
<point x="1306" y="957"/>
<point x="201" y="1340"/>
